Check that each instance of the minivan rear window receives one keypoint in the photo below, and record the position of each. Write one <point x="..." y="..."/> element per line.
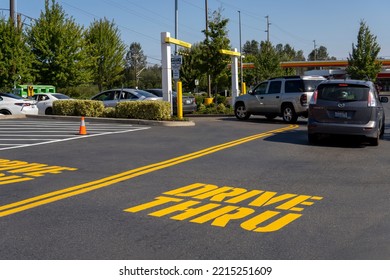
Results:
<point x="344" y="92"/>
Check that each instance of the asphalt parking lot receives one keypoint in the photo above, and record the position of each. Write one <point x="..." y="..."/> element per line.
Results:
<point x="221" y="189"/>
<point x="21" y="133"/>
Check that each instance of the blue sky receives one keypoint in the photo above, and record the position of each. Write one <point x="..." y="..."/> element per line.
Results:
<point x="333" y="24"/>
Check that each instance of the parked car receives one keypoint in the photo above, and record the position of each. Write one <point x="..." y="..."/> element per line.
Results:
<point x="346" y="107"/>
<point x="111" y="97"/>
<point x="44" y="101"/>
<point x="11" y="104"/>
<point x="189" y="103"/>
<point x="284" y="96"/>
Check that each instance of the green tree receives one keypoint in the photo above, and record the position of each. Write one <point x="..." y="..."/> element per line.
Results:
<point x="107" y="52"/>
<point x="320" y="54"/>
<point x="58" y="45"/>
<point x="15" y="56"/>
<point x="250" y="74"/>
<point x="267" y="62"/>
<point x="251" y="47"/>
<point x="135" y="63"/>
<point x="363" y="63"/>
<point x="190" y="69"/>
<point x="151" y="77"/>
<point x="288" y="53"/>
<point x="214" y="62"/>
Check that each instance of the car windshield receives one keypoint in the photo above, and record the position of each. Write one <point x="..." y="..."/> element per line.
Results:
<point x="345" y="92"/>
<point x="60" y="96"/>
<point x="11" y="95"/>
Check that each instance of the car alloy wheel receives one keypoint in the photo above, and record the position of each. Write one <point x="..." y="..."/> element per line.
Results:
<point x="241" y="112"/>
<point x="289" y="115"/>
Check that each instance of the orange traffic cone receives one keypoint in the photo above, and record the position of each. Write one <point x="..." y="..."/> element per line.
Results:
<point x="83" y="129"/>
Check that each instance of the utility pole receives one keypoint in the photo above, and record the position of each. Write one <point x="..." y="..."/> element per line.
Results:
<point x="176" y="23"/>
<point x="241" y="68"/>
<point x="12" y="11"/>
<point x="268" y="24"/>
<point x="207" y="40"/>
<point x="315" y="50"/>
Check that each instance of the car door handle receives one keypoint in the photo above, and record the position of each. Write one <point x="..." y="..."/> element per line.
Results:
<point x="277" y="97"/>
<point x="262" y="97"/>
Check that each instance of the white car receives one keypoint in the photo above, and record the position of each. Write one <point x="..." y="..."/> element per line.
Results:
<point x="44" y="101"/>
<point x="11" y="104"/>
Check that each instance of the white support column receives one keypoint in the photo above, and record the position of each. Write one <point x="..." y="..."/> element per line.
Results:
<point x="166" y="67"/>
<point x="235" y="89"/>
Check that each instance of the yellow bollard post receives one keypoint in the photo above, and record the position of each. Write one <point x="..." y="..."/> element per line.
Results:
<point x="179" y="100"/>
<point x="243" y="88"/>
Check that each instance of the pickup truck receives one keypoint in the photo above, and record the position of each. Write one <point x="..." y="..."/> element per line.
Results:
<point x="287" y="97"/>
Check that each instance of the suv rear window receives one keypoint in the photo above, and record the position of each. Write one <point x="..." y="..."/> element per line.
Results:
<point x="301" y="85"/>
<point x="345" y="92"/>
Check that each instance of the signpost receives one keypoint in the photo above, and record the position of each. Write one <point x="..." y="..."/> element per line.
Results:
<point x="171" y="65"/>
<point x="176" y="62"/>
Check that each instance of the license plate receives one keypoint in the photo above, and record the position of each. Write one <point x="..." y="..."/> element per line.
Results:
<point x="341" y="115"/>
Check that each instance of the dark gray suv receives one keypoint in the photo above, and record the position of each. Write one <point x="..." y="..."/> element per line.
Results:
<point x="346" y="107"/>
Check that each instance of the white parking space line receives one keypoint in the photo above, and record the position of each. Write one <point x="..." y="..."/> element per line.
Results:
<point x="16" y="134"/>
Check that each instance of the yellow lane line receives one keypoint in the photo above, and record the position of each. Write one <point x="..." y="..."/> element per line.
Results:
<point x="39" y="200"/>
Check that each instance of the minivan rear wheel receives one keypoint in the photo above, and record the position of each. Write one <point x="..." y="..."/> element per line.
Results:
<point x="312" y="138"/>
<point x="375" y="141"/>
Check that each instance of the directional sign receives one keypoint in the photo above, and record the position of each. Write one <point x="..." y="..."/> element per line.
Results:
<point x="176" y="73"/>
<point x="176" y="60"/>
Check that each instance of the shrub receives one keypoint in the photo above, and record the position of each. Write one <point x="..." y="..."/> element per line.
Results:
<point x="87" y="108"/>
<point x="150" y="110"/>
<point x="220" y="99"/>
<point x="221" y="108"/>
<point x="109" y="112"/>
<point x="201" y="108"/>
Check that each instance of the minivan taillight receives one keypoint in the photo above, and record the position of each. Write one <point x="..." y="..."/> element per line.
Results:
<point x="313" y="99"/>
<point x="371" y="100"/>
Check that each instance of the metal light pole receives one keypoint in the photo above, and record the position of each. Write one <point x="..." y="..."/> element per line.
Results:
<point x="176" y="23"/>
<point x="241" y="67"/>
<point x="207" y="39"/>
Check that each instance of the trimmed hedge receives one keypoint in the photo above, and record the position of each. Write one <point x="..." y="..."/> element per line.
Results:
<point x="149" y="110"/>
<point x="86" y="108"/>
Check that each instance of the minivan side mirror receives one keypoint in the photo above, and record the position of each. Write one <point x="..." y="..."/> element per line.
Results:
<point x="384" y="99"/>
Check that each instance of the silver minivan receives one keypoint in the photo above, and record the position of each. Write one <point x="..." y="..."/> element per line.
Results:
<point x="346" y="107"/>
